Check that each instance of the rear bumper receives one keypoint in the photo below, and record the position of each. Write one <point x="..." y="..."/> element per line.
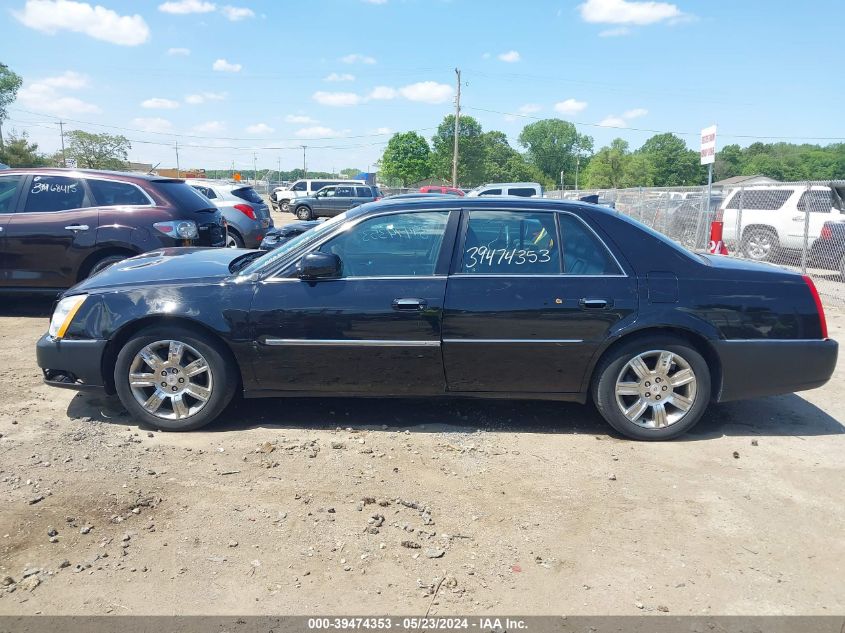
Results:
<point x="71" y="364"/>
<point x="751" y="368"/>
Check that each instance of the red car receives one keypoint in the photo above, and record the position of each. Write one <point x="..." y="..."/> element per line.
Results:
<point x="438" y="189"/>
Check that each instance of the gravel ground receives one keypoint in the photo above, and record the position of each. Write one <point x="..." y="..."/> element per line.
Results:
<point x="399" y="506"/>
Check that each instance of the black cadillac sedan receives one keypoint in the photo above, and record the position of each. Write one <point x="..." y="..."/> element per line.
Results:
<point x="485" y="297"/>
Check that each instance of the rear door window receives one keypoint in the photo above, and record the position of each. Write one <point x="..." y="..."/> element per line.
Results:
<point x="511" y="243"/>
<point x="318" y="184"/>
<point x="583" y="252"/>
<point x="491" y="192"/>
<point x="363" y="192"/>
<point x="55" y="193"/>
<point x="9" y="192"/>
<point x="249" y="194"/>
<point x="760" y="199"/>
<point x="524" y="192"/>
<point x="110" y="193"/>
<point x="345" y="192"/>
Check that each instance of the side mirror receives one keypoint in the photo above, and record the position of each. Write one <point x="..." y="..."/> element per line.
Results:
<point x="318" y="266"/>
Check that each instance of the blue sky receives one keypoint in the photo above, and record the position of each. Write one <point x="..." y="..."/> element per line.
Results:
<point x="228" y="80"/>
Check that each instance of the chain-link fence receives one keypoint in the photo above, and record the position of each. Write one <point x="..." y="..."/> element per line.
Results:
<point x="798" y="225"/>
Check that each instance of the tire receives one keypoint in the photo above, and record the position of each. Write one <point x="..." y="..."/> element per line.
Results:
<point x="760" y="244"/>
<point x="615" y="375"/>
<point x="217" y="382"/>
<point x="233" y="240"/>
<point x="304" y="213"/>
<point x="284" y="205"/>
<point x="105" y="262"/>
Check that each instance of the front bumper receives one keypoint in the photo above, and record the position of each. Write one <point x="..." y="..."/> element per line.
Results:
<point x="756" y="368"/>
<point x="71" y="364"/>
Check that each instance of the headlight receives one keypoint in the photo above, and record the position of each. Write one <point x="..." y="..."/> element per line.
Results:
<point x="64" y="313"/>
<point x="184" y="229"/>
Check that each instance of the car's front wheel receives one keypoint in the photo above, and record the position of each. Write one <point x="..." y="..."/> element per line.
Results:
<point x="173" y="378"/>
<point x="284" y="205"/>
<point x="654" y="388"/>
<point x="303" y="213"/>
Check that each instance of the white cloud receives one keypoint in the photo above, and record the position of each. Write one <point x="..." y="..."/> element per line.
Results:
<point x="427" y="92"/>
<point x="485" y="56"/>
<point x="636" y="113"/>
<point x="336" y="99"/>
<point x="510" y="57"/>
<point x="628" y="12"/>
<point x="617" y="32"/>
<point x="155" y="124"/>
<point x="210" y="127"/>
<point x="382" y="93"/>
<point x="52" y="16"/>
<point x="383" y="130"/>
<point x="184" y="7"/>
<point x="157" y="103"/>
<point x="299" y="118"/>
<point x="613" y="121"/>
<point x="43" y="95"/>
<point x="319" y="131"/>
<point x="259" y="128"/>
<point x="178" y="51"/>
<point x="375" y="1"/>
<point x="224" y="66"/>
<point x="339" y="77"/>
<point x="237" y="13"/>
<point x="202" y="97"/>
<point x="357" y="58"/>
<point x="570" y="106"/>
<point x="528" y="108"/>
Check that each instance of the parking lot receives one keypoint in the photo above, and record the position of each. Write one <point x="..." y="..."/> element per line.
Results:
<point x="412" y="506"/>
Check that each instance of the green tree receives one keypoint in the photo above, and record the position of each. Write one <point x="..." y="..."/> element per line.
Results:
<point x="350" y="172"/>
<point x="553" y="145"/>
<point x="607" y="167"/>
<point x="10" y="82"/>
<point x="98" y="151"/>
<point x="672" y="164"/>
<point x="19" y="152"/>
<point x="471" y="151"/>
<point x="407" y="159"/>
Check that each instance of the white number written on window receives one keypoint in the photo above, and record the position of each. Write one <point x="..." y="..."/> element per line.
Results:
<point x="483" y="256"/>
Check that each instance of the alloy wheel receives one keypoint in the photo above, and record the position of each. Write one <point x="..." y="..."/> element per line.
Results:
<point x="170" y="379"/>
<point x="656" y="389"/>
<point x="759" y="245"/>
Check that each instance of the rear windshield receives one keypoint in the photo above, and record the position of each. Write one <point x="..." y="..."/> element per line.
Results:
<point x="183" y="195"/>
<point x="249" y="194"/>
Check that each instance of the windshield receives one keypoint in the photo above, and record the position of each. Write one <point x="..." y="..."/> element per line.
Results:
<point x="288" y="247"/>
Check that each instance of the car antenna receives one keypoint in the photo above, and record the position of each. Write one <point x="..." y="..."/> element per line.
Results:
<point x="153" y="168"/>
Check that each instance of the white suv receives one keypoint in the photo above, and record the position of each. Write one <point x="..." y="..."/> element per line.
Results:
<point x="521" y="189"/>
<point x="281" y="197"/>
<point x="773" y="217"/>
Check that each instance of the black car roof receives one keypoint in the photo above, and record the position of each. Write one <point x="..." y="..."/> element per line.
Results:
<point x="486" y="202"/>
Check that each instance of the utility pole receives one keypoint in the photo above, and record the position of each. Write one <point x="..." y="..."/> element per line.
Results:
<point x="254" y="169"/>
<point x="62" y="134"/>
<point x="279" y="170"/>
<point x="457" y="127"/>
<point x="561" y="184"/>
<point x="178" y="171"/>
<point x="304" y="168"/>
<point x="577" y="164"/>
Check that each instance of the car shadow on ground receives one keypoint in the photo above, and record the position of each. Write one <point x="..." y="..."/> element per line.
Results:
<point x="788" y="415"/>
<point x="13" y="305"/>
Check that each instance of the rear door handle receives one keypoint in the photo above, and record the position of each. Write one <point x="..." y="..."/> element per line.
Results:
<point x="77" y="227"/>
<point x="594" y="304"/>
<point x="409" y="304"/>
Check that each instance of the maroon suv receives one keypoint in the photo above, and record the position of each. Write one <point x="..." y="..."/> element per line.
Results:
<point x="59" y="226"/>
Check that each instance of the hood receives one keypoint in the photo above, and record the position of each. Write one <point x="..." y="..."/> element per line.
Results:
<point x="165" y="266"/>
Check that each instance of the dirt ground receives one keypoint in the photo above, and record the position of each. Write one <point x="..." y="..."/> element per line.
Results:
<point x="403" y="506"/>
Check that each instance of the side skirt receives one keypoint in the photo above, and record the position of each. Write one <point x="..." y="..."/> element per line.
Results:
<point x="482" y="395"/>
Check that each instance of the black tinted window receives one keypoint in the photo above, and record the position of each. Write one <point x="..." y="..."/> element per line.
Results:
<point x="183" y="195"/>
<point x="583" y="252"/>
<point x="8" y="192"/>
<point x="404" y="245"/>
<point x="300" y="186"/>
<point x="491" y="192"/>
<point x="318" y="184"/>
<point x="757" y="199"/>
<point x="108" y="193"/>
<point x="511" y="243"/>
<point x="816" y="201"/>
<point x="525" y="192"/>
<point x="345" y="192"/>
<point x="55" y="193"/>
<point x="206" y="191"/>
<point x="249" y="194"/>
<point x="364" y="192"/>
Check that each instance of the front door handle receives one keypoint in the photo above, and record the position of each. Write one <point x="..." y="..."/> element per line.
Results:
<point x="77" y="227"/>
<point x="594" y="304"/>
<point x="409" y="304"/>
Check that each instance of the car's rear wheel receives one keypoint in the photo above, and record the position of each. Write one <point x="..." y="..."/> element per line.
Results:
<point x="284" y="205"/>
<point x="233" y="240"/>
<point x="654" y="388"/>
<point x="173" y="378"/>
<point x="303" y="213"/>
<point x="760" y="244"/>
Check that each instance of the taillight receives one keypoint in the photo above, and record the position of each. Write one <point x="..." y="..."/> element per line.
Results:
<point x="826" y="233"/>
<point x="246" y="210"/>
<point x="817" y="300"/>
